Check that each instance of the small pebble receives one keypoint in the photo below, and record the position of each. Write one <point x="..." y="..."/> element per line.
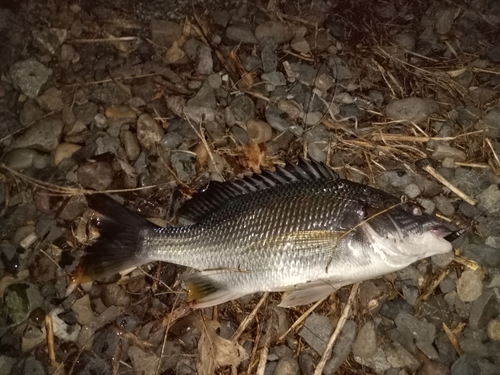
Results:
<point x="412" y="191"/>
<point x="493" y="329"/>
<point x="469" y="286"/>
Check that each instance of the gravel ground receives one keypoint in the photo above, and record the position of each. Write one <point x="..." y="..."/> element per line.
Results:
<point x="153" y="100"/>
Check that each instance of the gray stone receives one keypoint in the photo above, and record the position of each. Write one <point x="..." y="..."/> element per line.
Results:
<point x="6" y="364"/>
<point x="20" y="158"/>
<point x="214" y="80"/>
<point x="85" y="112"/>
<point x="19" y="300"/>
<point x="444" y="205"/>
<point x="217" y="133"/>
<point x="342" y="348"/>
<point x="489" y="199"/>
<point x="378" y="363"/>
<point x="421" y="330"/>
<point x="242" y="109"/>
<point x="365" y="344"/>
<point x="130" y="144"/>
<point x="49" y="40"/>
<point x="114" y="295"/>
<point x="176" y="104"/>
<point x="204" y="60"/>
<point x="405" y="40"/>
<point x="410" y="293"/>
<point x="351" y="111"/>
<point x="300" y="45"/>
<point x="29" y="76"/>
<point x="469" y="364"/>
<point x="415" y="110"/>
<point x="51" y="100"/>
<point x="443" y="260"/>
<point x="412" y="191"/>
<point x="268" y="56"/>
<point x="29" y="366"/>
<point x="149" y="132"/>
<point x="277" y="118"/>
<point x="97" y="176"/>
<point x="442" y="151"/>
<point x="83" y="310"/>
<point x="43" y="135"/>
<point x="241" y="33"/>
<point x="483" y="309"/>
<point x="316" y="331"/>
<point x="165" y="33"/>
<point x="428" y="205"/>
<point x="278" y="30"/>
<point x="205" y="98"/>
<point x="184" y="164"/>
<point x="469" y="286"/>
<point x="287" y="366"/>
<point x="483" y="255"/>
<point x="444" y="20"/>
<point x="307" y="364"/>
<point x="199" y="114"/>
<point x="282" y="351"/>
<point x="240" y="134"/>
<point x="494" y="54"/>
<point x="275" y="78"/>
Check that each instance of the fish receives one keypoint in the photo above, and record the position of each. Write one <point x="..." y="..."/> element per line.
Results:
<point x="300" y="229"/>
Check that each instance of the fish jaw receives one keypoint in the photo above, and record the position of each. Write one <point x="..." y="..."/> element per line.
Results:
<point x="400" y="251"/>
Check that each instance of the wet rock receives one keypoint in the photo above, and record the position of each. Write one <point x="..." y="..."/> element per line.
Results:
<point x="365" y="344"/>
<point x="342" y="349"/>
<point x="130" y="144"/>
<point x="278" y="30"/>
<point x="184" y="164"/>
<point x="287" y="366"/>
<point x="149" y="132"/>
<point x="259" y="131"/>
<point x="65" y="150"/>
<point x="51" y="100"/>
<point x="277" y="118"/>
<point x="29" y="76"/>
<point x="442" y="151"/>
<point x="43" y="135"/>
<point x="205" y="98"/>
<point x="19" y="300"/>
<point x="483" y="309"/>
<point x="241" y="33"/>
<point x="20" y="158"/>
<point x="164" y="33"/>
<point x="97" y="176"/>
<point x="316" y="331"/>
<point x="409" y="109"/>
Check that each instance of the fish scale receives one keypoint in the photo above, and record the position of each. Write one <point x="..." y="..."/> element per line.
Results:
<point x="301" y="229"/>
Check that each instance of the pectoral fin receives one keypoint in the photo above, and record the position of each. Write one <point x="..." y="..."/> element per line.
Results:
<point x="307" y="293"/>
<point x="205" y="291"/>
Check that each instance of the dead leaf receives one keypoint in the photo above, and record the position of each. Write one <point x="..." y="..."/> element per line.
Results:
<point x="254" y="156"/>
<point x="215" y="352"/>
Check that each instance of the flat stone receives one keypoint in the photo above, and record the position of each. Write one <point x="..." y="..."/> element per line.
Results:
<point x="484" y="255"/>
<point x="378" y="363"/>
<point x="342" y="349"/>
<point x="287" y="366"/>
<point x="184" y="164"/>
<point x="277" y="118"/>
<point x="483" y="309"/>
<point x="20" y="158"/>
<point x="217" y="133"/>
<point x="316" y="331"/>
<point x="241" y="33"/>
<point x="365" y="344"/>
<point x="242" y="109"/>
<point x="278" y="30"/>
<point x="444" y="20"/>
<point x="165" y="33"/>
<point x="444" y="205"/>
<point x="205" y="98"/>
<point x="29" y="76"/>
<point x="42" y="136"/>
<point x="415" y="110"/>
<point x="275" y="78"/>
<point x="421" y="330"/>
<point x="300" y="45"/>
<point x="469" y="286"/>
<point x="85" y="112"/>
<point x="442" y="151"/>
<point x="149" y="132"/>
<point x="51" y="100"/>
<point x="489" y="199"/>
<point x="97" y="176"/>
<point x="20" y="299"/>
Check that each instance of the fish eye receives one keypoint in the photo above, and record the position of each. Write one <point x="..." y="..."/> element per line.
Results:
<point x="414" y="209"/>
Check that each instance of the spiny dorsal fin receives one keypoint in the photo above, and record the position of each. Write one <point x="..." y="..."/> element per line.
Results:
<point x="216" y="194"/>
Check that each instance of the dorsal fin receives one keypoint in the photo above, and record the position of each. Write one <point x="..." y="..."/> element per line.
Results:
<point x="216" y="194"/>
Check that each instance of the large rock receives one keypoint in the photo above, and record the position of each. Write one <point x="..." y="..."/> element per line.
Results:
<point x="43" y="135"/>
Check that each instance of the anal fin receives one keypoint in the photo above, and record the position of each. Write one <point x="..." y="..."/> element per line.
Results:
<point x="304" y="294"/>
<point x="204" y="291"/>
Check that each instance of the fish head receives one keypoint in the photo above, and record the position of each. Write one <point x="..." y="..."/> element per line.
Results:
<point x="405" y="233"/>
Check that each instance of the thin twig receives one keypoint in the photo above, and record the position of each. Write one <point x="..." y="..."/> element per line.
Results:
<point x="249" y="318"/>
<point x="50" y="340"/>
<point x="336" y="333"/>
<point x="301" y="318"/>
<point x="429" y="169"/>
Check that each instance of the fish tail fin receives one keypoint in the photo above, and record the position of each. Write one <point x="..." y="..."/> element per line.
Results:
<point x="117" y="248"/>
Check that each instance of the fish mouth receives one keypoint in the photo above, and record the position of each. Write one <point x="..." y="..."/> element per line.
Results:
<point x="446" y="233"/>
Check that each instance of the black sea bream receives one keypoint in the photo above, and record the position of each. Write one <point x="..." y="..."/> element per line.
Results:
<point x="300" y="229"/>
